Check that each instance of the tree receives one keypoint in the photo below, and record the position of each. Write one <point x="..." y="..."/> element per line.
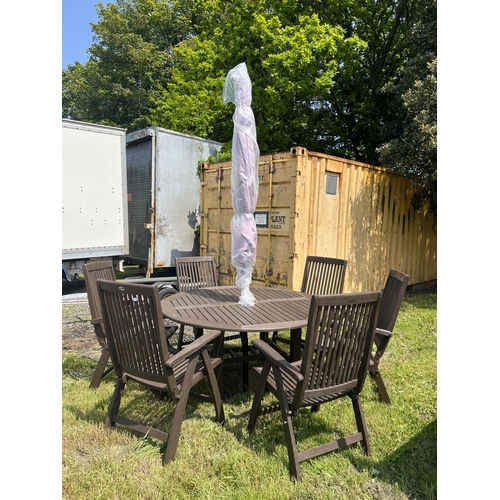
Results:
<point x="413" y="151"/>
<point x="352" y="78"/>
<point x="292" y="67"/>
<point x="318" y="70"/>
<point x="192" y="102"/>
<point x="130" y="62"/>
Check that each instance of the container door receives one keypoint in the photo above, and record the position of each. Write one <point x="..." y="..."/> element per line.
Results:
<point x="139" y="173"/>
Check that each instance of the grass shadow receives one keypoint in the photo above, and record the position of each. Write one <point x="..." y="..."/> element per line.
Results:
<point x="414" y="464"/>
<point x="412" y="467"/>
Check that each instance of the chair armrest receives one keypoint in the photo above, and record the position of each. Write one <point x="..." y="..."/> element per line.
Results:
<point x="193" y="348"/>
<point x="96" y="321"/>
<point x="381" y="331"/>
<point x="277" y="359"/>
<point x="381" y="340"/>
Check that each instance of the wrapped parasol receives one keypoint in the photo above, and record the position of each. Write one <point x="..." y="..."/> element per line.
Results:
<point x="244" y="179"/>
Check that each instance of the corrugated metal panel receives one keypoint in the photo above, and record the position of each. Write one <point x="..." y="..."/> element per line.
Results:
<point x="177" y="203"/>
<point x="139" y="181"/>
<point x="369" y="221"/>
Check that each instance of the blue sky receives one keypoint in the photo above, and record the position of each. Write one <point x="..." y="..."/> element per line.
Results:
<point x="76" y="31"/>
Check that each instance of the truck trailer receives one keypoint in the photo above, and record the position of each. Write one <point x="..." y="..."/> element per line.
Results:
<point x="163" y="178"/>
<point x="94" y="196"/>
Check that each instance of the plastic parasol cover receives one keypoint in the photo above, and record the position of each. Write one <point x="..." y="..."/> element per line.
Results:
<point x="244" y="179"/>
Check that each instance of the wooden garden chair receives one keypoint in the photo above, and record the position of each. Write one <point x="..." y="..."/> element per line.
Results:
<point x="92" y="272"/>
<point x="193" y="273"/>
<point x="334" y="364"/>
<point x="322" y="276"/>
<point x="134" y="328"/>
<point x="392" y="297"/>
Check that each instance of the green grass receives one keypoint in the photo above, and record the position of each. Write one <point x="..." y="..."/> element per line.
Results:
<point x="225" y="462"/>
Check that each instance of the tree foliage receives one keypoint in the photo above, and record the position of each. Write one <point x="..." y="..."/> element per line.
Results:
<point x="130" y="62"/>
<point x="413" y="150"/>
<point x="318" y="70"/>
<point x="352" y="78"/>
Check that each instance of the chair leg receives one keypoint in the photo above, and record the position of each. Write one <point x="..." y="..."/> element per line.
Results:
<point x="244" y="352"/>
<point x="100" y="370"/>
<point x="180" y="408"/>
<point x="259" y="394"/>
<point x="360" y="423"/>
<point x="218" y="352"/>
<point x="219" y="410"/>
<point x="114" y="405"/>
<point x="295" y="344"/>
<point x="175" y="431"/>
<point x="181" y="337"/>
<point x="286" y="418"/>
<point x="384" y="396"/>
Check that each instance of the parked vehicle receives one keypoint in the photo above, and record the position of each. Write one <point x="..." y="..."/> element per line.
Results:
<point x="94" y="196"/>
<point x="164" y="196"/>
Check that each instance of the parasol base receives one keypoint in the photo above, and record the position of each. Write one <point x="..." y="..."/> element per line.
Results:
<point x="246" y="298"/>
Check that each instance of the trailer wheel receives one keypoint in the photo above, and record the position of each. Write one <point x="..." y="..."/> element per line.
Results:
<point x="164" y="292"/>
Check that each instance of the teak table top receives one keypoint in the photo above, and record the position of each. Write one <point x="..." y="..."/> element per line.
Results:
<point x="218" y="308"/>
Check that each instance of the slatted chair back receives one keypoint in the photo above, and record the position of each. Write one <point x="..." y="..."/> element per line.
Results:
<point x="338" y="344"/>
<point x="392" y="297"/>
<point x="323" y="275"/>
<point x="136" y="333"/>
<point x="93" y="271"/>
<point x="195" y="272"/>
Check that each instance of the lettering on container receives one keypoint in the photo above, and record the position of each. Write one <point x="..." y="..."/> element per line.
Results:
<point x="277" y="220"/>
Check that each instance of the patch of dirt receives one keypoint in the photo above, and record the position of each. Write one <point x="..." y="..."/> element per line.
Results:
<point x="78" y="335"/>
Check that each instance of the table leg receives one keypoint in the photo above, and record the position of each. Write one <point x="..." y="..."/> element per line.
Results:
<point x="244" y="351"/>
<point x="295" y="344"/>
<point x="198" y="332"/>
<point x="218" y="352"/>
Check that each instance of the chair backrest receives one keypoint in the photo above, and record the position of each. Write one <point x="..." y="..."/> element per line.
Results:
<point x="195" y="272"/>
<point x="392" y="297"/>
<point x="323" y="275"/>
<point x="134" y="326"/>
<point x="338" y="344"/>
<point x="92" y="272"/>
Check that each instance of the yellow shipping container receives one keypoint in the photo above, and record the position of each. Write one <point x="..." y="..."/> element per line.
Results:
<point x="316" y="204"/>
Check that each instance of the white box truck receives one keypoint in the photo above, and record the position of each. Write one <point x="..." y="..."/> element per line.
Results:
<point x="164" y="196"/>
<point x="94" y="196"/>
